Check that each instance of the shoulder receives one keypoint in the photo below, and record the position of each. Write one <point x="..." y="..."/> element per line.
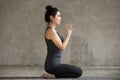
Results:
<point x="50" y="33"/>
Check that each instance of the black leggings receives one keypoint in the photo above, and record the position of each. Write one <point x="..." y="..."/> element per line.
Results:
<point x="65" y="71"/>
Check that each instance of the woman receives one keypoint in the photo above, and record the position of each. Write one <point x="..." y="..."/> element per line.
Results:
<point x="55" y="44"/>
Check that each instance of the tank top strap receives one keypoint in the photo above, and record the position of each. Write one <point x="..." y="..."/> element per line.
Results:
<point x="47" y="28"/>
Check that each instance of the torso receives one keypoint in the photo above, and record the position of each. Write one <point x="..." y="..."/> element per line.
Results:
<point x="53" y="52"/>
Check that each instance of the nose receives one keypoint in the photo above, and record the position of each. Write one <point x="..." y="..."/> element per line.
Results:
<point x="60" y="18"/>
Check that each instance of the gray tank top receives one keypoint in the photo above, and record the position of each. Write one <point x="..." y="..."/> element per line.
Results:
<point x="53" y="57"/>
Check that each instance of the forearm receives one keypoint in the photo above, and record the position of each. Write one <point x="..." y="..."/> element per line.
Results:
<point x="65" y="42"/>
<point x="69" y="30"/>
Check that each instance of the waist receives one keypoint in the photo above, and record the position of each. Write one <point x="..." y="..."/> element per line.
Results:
<point x="51" y="62"/>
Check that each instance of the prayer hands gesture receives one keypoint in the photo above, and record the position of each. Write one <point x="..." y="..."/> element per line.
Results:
<point x="69" y="29"/>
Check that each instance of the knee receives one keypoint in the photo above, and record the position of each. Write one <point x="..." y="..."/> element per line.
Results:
<point x="80" y="72"/>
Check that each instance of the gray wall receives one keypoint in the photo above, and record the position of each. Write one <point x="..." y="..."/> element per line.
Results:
<point x="94" y="42"/>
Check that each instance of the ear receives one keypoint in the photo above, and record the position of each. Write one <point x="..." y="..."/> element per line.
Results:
<point x="51" y="18"/>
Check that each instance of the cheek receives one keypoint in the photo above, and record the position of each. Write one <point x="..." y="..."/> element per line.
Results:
<point x="58" y="19"/>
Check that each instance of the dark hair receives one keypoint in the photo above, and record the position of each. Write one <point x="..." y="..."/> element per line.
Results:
<point x="50" y="11"/>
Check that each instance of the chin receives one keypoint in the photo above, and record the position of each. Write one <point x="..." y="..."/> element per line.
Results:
<point x="58" y="23"/>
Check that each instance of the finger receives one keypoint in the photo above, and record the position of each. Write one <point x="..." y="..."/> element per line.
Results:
<point x="67" y="25"/>
<point x="71" y="26"/>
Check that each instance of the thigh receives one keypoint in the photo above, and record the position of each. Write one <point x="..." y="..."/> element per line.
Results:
<point x="71" y="69"/>
<point x="65" y="69"/>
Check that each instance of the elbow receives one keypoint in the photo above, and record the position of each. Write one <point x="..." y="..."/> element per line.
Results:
<point x="62" y="48"/>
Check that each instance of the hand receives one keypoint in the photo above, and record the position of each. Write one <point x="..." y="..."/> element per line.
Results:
<point x="69" y="29"/>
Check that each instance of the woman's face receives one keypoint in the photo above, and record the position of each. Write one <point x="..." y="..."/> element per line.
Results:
<point x="57" y="18"/>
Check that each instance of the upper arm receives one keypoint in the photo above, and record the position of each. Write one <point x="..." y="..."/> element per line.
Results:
<point x="56" y="39"/>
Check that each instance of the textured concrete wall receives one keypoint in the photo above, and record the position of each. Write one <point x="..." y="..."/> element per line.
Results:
<point x="94" y="42"/>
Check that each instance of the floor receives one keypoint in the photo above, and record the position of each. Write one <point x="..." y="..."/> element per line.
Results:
<point x="34" y="72"/>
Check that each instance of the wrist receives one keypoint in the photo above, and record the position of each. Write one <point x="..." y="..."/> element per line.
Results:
<point x="68" y="36"/>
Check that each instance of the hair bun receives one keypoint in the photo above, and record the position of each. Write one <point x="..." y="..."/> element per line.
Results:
<point x="49" y="7"/>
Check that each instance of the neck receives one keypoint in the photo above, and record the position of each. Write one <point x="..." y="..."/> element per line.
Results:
<point x="52" y="25"/>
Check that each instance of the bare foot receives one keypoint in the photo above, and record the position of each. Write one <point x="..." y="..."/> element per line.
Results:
<point x="48" y="76"/>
